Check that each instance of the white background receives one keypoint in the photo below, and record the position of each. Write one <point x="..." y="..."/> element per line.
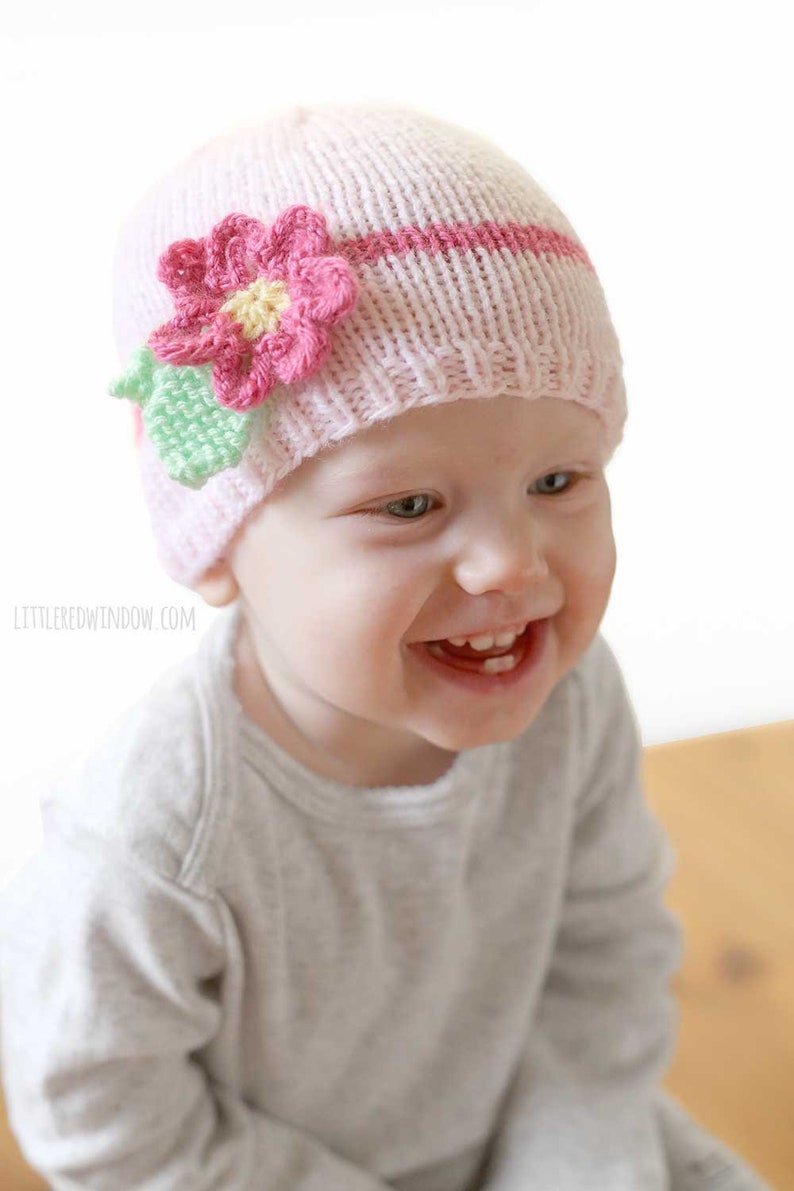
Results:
<point x="664" y="133"/>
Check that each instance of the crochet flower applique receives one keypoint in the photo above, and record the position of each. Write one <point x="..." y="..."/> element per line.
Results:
<point x="253" y="307"/>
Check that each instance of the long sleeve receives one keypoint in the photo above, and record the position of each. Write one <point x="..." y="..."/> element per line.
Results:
<point x="584" y="1109"/>
<point x="110" y="978"/>
<point x="696" y="1160"/>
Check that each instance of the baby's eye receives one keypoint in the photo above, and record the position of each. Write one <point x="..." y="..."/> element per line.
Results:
<point x="407" y="508"/>
<point x="552" y="475"/>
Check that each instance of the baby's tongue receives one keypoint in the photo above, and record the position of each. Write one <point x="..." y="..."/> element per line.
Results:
<point x="468" y="651"/>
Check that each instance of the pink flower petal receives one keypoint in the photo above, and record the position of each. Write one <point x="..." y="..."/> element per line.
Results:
<point x="182" y="268"/>
<point x="241" y="383"/>
<point x="234" y="252"/>
<point x="298" y="231"/>
<point x="328" y="285"/>
<point x="137" y="414"/>
<point x="173" y="344"/>
<point x="302" y="347"/>
<point x="196" y="341"/>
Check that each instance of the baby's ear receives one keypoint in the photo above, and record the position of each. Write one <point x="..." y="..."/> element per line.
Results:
<point x="217" y="586"/>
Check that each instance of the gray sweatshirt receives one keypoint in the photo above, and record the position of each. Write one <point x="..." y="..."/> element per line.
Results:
<point x="224" y="971"/>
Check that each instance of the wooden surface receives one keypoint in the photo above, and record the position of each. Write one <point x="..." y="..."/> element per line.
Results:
<point x="727" y="802"/>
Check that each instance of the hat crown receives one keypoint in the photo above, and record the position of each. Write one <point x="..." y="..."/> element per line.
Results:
<point x="461" y="278"/>
<point x="366" y="166"/>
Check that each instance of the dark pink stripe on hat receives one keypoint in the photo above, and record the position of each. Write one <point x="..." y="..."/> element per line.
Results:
<point x="440" y="237"/>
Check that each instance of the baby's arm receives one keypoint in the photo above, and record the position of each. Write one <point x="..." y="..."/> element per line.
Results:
<point x="108" y="984"/>
<point x="586" y="1111"/>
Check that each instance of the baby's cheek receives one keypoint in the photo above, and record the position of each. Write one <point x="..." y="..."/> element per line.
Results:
<point x="335" y="625"/>
<point x="596" y="556"/>
<point x="588" y="585"/>
<point x="604" y="567"/>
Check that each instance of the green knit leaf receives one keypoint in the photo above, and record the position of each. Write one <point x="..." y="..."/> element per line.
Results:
<point x="138" y="380"/>
<point x="193" y="434"/>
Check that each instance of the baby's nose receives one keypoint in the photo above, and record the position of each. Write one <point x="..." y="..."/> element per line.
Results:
<point x="502" y="556"/>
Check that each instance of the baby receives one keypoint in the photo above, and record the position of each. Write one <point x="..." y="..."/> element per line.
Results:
<point x="366" y="893"/>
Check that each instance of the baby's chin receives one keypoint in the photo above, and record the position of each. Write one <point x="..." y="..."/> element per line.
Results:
<point x="457" y="738"/>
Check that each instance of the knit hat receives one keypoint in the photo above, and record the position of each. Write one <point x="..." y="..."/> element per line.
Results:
<point x="300" y="279"/>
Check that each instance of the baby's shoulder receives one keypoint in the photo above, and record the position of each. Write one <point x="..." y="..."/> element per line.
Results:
<point x="605" y="710"/>
<point x="597" y="674"/>
<point x="145" y="786"/>
<point x="589" y="699"/>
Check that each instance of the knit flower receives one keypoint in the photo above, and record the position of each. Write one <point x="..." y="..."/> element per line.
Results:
<point x="255" y="302"/>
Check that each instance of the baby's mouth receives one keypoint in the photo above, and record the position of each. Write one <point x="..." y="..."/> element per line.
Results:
<point x="493" y="659"/>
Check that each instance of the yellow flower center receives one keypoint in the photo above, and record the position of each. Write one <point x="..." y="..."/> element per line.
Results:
<point x="259" y="307"/>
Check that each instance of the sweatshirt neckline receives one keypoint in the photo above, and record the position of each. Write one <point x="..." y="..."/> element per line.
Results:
<point x="325" y="797"/>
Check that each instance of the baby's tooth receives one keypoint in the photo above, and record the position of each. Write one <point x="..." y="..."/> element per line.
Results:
<point x="457" y="640"/>
<point x="481" y="642"/>
<point x="499" y="665"/>
<point x="505" y="639"/>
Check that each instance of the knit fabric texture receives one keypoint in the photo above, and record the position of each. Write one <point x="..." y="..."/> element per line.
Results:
<point x="467" y="282"/>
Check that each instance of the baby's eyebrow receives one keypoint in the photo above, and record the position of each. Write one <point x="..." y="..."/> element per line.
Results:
<point x="377" y="470"/>
<point x="392" y="469"/>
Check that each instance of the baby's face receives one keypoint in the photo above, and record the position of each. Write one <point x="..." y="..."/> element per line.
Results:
<point x="444" y="522"/>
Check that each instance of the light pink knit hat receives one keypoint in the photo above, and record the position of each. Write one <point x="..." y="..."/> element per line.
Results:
<point x="294" y="282"/>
